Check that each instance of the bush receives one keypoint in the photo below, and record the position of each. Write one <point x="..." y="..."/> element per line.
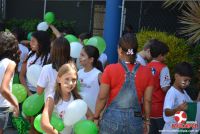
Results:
<point x="27" y="25"/>
<point x="178" y="49"/>
<point x="30" y="25"/>
<point x="195" y="85"/>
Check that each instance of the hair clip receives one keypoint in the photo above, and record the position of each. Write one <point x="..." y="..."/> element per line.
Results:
<point x="130" y="52"/>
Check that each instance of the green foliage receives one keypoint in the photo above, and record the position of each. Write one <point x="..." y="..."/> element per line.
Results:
<point x="189" y="18"/>
<point x="26" y="24"/>
<point x="195" y="54"/>
<point x="30" y="25"/>
<point x="178" y="49"/>
<point x="62" y="23"/>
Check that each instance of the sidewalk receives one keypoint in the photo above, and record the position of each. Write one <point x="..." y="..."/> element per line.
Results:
<point x="10" y="131"/>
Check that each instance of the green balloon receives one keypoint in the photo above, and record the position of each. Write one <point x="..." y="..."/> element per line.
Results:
<point x="29" y="36"/>
<point x="97" y="42"/>
<point x="57" y="122"/>
<point x="71" y="38"/>
<point x="33" y="104"/>
<point x="85" y="127"/>
<point x="37" y="125"/>
<point x="49" y="17"/>
<point x="19" y="92"/>
<point x="85" y="41"/>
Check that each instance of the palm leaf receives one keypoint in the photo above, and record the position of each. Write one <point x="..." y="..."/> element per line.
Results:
<point x="191" y="20"/>
<point x="174" y="3"/>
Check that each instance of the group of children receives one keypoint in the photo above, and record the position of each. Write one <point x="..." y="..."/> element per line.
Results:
<point x="127" y="91"/>
<point x="58" y="87"/>
<point x="166" y="100"/>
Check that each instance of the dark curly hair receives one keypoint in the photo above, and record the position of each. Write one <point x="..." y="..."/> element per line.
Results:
<point x="158" y="48"/>
<point x="9" y="46"/>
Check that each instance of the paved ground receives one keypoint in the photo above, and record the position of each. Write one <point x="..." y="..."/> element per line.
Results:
<point x="10" y="131"/>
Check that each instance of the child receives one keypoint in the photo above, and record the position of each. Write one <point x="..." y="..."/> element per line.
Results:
<point x="60" y="54"/>
<point x="39" y="54"/>
<point x="144" y="55"/>
<point x="65" y="92"/>
<point x="83" y="36"/>
<point x="8" y="59"/>
<point x="123" y="86"/>
<point x="158" y="52"/>
<point x="90" y="75"/>
<point x="176" y="98"/>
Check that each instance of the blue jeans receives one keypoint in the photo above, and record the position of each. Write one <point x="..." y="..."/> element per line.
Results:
<point x="120" y="122"/>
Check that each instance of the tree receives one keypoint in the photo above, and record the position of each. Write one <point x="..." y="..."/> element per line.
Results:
<point x="190" y="18"/>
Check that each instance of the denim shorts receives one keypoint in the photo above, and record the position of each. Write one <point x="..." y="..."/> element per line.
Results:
<point x="4" y="114"/>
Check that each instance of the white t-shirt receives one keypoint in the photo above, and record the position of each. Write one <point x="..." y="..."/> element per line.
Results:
<point x="103" y="59"/>
<point x="3" y="66"/>
<point x="59" y="109"/>
<point x="141" y="60"/>
<point x="173" y="99"/>
<point x="165" y="77"/>
<point x="47" y="79"/>
<point x="89" y="86"/>
<point x="29" y="62"/>
<point x="24" y="52"/>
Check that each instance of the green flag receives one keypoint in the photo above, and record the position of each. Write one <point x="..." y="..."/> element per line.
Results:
<point x="193" y="119"/>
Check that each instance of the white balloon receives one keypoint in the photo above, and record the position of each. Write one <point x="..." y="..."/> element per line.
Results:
<point x="75" y="111"/>
<point x="75" y="49"/>
<point x="33" y="74"/>
<point x="43" y="26"/>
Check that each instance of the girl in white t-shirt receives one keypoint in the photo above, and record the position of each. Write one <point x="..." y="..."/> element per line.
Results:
<point x="39" y="54"/>
<point x="176" y="98"/>
<point x="65" y="92"/>
<point x="8" y="59"/>
<point x="90" y="75"/>
<point x="60" y="54"/>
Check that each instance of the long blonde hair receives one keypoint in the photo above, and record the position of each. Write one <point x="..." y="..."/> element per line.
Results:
<point x="62" y="70"/>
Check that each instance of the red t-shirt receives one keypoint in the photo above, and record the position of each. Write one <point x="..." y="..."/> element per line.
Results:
<point x="114" y="76"/>
<point x="158" y="95"/>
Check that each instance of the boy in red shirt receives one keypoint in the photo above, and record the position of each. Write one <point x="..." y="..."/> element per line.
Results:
<point x="162" y="81"/>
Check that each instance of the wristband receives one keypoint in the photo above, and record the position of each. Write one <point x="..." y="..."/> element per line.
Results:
<point x="146" y="119"/>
